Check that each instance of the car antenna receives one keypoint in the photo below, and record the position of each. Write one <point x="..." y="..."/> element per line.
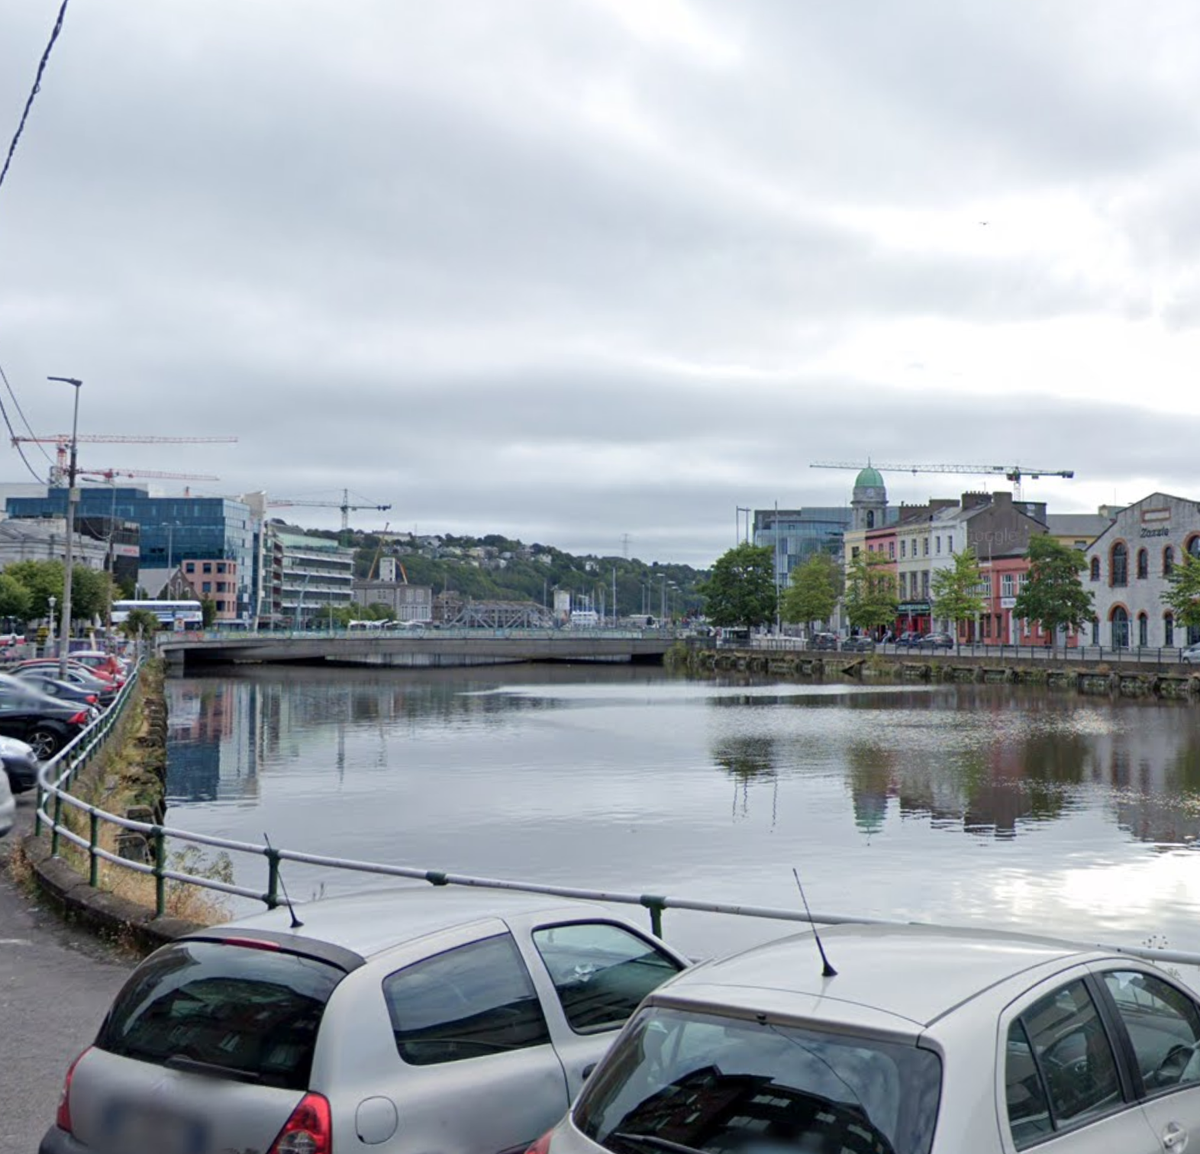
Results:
<point x="828" y="971"/>
<point x="296" y="922"/>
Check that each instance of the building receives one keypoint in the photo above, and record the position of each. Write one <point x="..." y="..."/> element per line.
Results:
<point x="316" y="574"/>
<point x="794" y="535"/>
<point x="45" y="539"/>
<point x="217" y="580"/>
<point x="172" y="529"/>
<point x="405" y="602"/>
<point x="1127" y="570"/>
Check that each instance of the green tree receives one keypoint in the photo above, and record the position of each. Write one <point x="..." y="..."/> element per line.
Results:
<point x="741" y="588"/>
<point x="1183" y="598"/>
<point x="140" y="621"/>
<point x="1052" y="593"/>
<point x="813" y="592"/>
<point x="956" y="590"/>
<point x="871" y="600"/>
<point x="15" y="599"/>
<point x="208" y="611"/>
<point x="91" y="593"/>
<point x="91" y="589"/>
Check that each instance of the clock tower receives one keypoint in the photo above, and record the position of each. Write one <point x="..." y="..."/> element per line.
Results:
<point x="869" y="501"/>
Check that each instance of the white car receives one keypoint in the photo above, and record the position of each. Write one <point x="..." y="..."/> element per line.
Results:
<point x="923" y="1041"/>
<point x="1191" y="655"/>
<point x="8" y="807"/>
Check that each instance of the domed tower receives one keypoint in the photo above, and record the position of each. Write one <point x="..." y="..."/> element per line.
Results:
<point x="870" y="500"/>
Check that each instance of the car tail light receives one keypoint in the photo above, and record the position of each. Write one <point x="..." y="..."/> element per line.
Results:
<point x="79" y="718"/>
<point x="542" y="1145"/>
<point x="91" y="699"/>
<point x="308" y="1131"/>
<point x="63" y="1120"/>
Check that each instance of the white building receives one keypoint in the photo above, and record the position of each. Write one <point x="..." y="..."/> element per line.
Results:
<point x="1128" y="566"/>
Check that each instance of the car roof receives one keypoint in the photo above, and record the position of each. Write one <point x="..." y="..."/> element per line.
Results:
<point x="915" y="973"/>
<point x="370" y="923"/>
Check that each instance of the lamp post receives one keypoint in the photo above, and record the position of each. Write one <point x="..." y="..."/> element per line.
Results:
<point x="64" y="640"/>
<point x="52" y="600"/>
<point x="663" y="598"/>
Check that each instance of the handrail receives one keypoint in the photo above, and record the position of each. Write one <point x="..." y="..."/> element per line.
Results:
<point x="83" y="748"/>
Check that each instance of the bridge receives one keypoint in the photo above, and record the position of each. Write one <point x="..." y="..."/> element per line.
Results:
<point x="415" y="648"/>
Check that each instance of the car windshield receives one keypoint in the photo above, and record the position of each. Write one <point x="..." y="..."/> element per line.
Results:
<point x="686" y="1081"/>
<point x="247" y="1014"/>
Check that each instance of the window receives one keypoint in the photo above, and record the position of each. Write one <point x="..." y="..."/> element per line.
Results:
<point x="220" y="566"/>
<point x="937" y="545"/>
<point x="1168" y="561"/>
<point x="925" y="582"/>
<point x="1095" y="568"/>
<point x="986" y="585"/>
<point x="1119" y="564"/>
<point x="1143" y="623"/>
<point x="1193" y="546"/>
<point x="1143" y="564"/>
<point x="1006" y="585"/>
<point x="600" y="972"/>
<point x="207" y="566"/>
<point x="1060" y="1067"/>
<point x="892" y="550"/>
<point x="925" y="546"/>
<point x="854" y="551"/>
<point x="205" y="586"/>
<point x="904" y="548"/>
<point x="1163" y="1026"/>
<point x="471" y="1001"/>
<point x="1168" y="629"/>
<point x="1120" y="627"/>
<point x="221" y="586"/>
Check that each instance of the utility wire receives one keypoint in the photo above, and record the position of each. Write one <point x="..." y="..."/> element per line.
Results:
<point x="37" y="85"/>
<point x="24" y="419"/>
<point x="16" y="443"/>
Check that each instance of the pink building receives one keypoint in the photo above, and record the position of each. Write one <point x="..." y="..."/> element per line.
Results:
<point x="214" y="580"/>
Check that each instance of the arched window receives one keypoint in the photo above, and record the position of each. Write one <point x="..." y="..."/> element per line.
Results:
<point x="870" y="518"/>
<point x="1168" y="630"/>
<point x="1193" y="545"/>
<point x="1118" y="566"/>
<point x="1143" y="630"/>
<point x="1168" y="561"/>
<point x="1095" y="568"/>
<point x="1120" y="627"/>
<point x="1143" y="564"/>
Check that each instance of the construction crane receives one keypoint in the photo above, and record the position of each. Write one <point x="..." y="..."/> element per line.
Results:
<point x="62" y="445"/>
<point x="344" y="505"/>
<point x="154" y="474"/>
<point x="1013" y="473"/>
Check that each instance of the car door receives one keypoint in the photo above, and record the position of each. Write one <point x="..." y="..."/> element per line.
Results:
<point x="476" y="1071"/>
<point x="1061" y="1087"/>
<point x="1162" y="1024"/>
<point x="594" y="974"/>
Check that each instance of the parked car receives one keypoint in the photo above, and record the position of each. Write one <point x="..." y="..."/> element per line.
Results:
<point x="937" y="641"/>
<point x="1191" y="655"/>
<point x="909" y="639"/>
<point x="99" y="662"/>
<point x="105" y="689"/>
<point x="8" y="807"/>
<point x="921" y="1041"/>
<point x="45" y="724"/>
<point x="20" y="765"/>
<point x="45" y="681"/>
<point x="824" y="641"/>
<point x="860" y="644"/>
<point x="408" y="1021"/>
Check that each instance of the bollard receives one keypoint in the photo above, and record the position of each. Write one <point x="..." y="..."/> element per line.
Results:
<point x="37" y="813"/>
<point x="54" y="831"/>
<point x="94" y="862"/>
<point x="272" y="898"/>
<point x="160" y="883"/>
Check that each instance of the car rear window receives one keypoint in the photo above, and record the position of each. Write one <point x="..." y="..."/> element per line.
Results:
<point x="710" y="1083"/>
<point x="229" y="1010"/>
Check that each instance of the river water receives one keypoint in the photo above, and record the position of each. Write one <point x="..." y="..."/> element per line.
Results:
<point x="991" y="805"/>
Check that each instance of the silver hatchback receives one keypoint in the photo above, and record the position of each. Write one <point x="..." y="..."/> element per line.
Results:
<point x="923" y="1041"/>
<point x="411" y="1021"/>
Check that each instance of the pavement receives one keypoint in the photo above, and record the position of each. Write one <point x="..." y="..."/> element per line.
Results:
<point x="56" y="983"/>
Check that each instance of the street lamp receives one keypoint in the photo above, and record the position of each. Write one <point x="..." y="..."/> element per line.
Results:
<point x="64" y="640"/>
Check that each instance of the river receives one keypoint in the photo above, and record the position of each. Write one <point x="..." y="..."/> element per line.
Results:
<point x="992" y="805"/>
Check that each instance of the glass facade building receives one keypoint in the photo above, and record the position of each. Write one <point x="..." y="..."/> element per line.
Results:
<point x="794" y="535"/>
<point x="172" y="529"/>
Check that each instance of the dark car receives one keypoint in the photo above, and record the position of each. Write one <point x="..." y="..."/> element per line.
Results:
<point x="909" y="640"/>
<point x="937" y="641"/>
<point x="862" y="644"/>
<point x="20" y="766"/>
<point x="42" y="722"/>
<point x="103" y="687"/>
<point x="824" y="641"/>
<point x="47" y="683"/>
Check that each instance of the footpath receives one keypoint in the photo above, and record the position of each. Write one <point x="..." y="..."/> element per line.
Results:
<point x="55" y="986"/>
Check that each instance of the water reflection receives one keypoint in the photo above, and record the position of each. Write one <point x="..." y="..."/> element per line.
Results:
<point x="625" y="778"/>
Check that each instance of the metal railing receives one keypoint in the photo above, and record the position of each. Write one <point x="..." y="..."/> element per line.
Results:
<point x="59" y="773"/>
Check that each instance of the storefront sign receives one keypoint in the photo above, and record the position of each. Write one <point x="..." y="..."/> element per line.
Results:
<point x="914" y="607"/>
<point x="1165" y="531"/>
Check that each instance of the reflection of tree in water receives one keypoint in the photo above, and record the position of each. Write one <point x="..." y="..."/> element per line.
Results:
<point x="748" y="758"/>
<point x="872" y="783"/>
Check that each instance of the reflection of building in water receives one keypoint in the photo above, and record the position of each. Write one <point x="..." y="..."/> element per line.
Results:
<point x="212" y="740"/>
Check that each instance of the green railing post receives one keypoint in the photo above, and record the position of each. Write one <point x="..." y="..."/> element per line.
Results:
<point x="57" y="817"/>
<point x="272" y="878"/>
<point x="655" y="905"/>
<point x="160" y="861"/>
<point x="94" y="862"/>
<point x="37" y="813"/>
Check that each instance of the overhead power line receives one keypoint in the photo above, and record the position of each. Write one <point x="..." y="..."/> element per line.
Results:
<point x="24" y="419"/>
<point x="12" y="434"/>
<point x="37" y="86"/>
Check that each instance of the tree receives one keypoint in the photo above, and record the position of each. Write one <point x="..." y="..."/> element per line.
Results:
<point x="741" y="588"/>
<point x="956" y="589"/>
<point x="15" y="600"/>
<point x="91" y="589"/>
<point x="1183" y="597"/>
<point x="813" y="592"/>
<point x="208" y="612"/>
<point x="871" y="600"/>
<point x="1052" y="593"/>
<point x="141" y="621"/>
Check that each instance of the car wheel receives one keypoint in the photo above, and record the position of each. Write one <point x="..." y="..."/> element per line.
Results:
<point x="45" y="743"/>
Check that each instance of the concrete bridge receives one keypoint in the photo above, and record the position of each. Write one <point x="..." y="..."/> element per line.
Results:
<point x="416" y="648"/>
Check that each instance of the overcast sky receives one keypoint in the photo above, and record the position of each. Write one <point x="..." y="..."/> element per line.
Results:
<point x="575" y="269"/>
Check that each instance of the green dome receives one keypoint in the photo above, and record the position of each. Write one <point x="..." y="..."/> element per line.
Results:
<point x="869" y="479"/>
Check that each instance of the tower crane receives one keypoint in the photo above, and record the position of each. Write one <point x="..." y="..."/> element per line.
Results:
<point x="154" y="474"/>
<point x="344" y="505"/>
<point x="62" y="445"/>
<point x="1013" y="473"/>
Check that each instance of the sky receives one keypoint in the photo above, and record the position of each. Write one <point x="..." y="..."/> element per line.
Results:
<point x="595" y="273"/>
